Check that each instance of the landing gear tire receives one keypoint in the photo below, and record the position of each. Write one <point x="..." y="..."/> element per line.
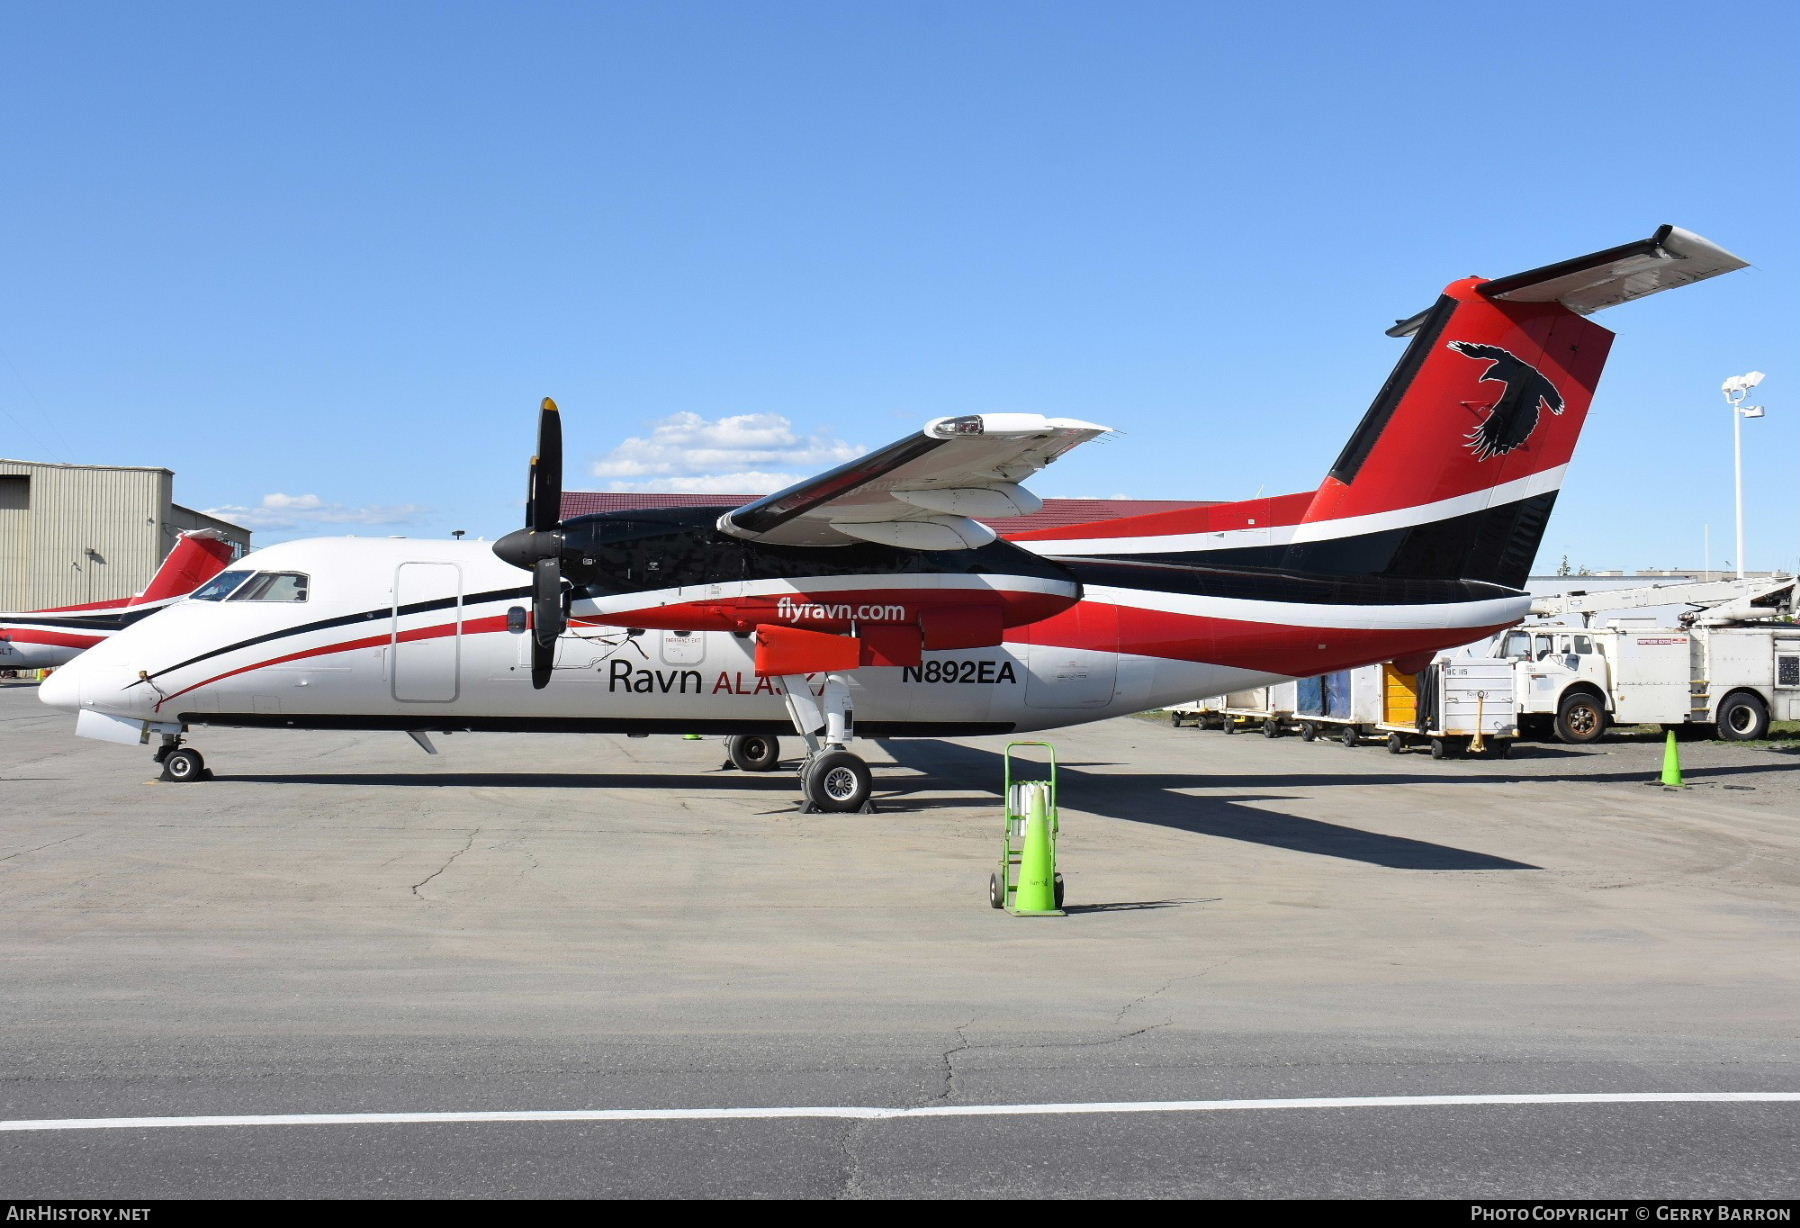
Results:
<point x="1396" y="744"/>
<point x="996" y="893"/>
<point x="837" y="782"/>
<point x="1308" y="731"/>
<point x="1743" y="718"/>
<point x="184" y="766"/>
<point x="1580" y="719"/>
<point x="753" y="752"/>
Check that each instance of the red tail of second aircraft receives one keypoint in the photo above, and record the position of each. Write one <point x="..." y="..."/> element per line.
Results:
<point x="196" y="558"/>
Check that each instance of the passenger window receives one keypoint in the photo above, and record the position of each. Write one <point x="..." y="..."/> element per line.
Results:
<point x="273" y="586"/>
<point x="1518" y="646"/>
<point x="1584" y="645"/>
<point x="1544" y="647"/>
<point x="220" y="586"/>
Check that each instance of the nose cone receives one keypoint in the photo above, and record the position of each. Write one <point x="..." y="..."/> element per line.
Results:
<point x="62" y="689"/>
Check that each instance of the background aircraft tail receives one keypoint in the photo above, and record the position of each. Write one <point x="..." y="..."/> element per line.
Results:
<point x="198" y="556"/>
<point x="1453" y="470"/>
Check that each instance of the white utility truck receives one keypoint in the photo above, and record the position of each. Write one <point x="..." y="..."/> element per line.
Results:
<point x="1726" y="667"/>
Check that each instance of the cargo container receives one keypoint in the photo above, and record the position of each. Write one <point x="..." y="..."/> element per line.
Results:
<point x="1344" y="704"/>
<point x="1453" y="706"/>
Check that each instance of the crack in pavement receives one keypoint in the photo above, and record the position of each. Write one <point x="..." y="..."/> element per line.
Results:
<point x="51" y="844"/>
<point x="469" y="844"/>
<point x="949" y="1059"/>
<point x="852" y="1164"/>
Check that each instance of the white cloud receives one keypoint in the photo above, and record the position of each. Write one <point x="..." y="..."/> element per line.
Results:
<point x="283" y="511"/>
<point x="741" y="454"/>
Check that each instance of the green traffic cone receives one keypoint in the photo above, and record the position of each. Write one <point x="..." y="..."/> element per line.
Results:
<point x="1036" y="894"/>
<point x="1671" y="776"/>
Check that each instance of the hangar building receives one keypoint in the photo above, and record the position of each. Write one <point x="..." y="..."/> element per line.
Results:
<point x="71" y="534"/>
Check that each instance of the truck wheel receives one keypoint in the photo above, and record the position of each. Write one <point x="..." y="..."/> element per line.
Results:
<point x="1743" y="717"/>
<point x="1271" y="728"/>
<point x="1396" y="744"/>
<point x="1228" y="724"/>
<point x="996" y="893"/>
<point x="1175" y="719"/>
<point x="1580" y="719"/>
<point x="1349" y="736"/>
<point x="1308" y="731"/>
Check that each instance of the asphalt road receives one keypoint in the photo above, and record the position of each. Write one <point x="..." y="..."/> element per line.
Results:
<point x="339" y="924"/>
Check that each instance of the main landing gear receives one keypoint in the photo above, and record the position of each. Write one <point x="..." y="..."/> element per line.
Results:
<point x="832" y="780"/>
<point x="180" y="764"/>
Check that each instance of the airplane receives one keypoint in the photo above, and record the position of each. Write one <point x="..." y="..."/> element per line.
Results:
<point x="44" y="639"/>
<point x="872" y="599"/>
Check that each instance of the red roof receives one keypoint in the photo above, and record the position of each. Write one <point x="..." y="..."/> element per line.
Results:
<point x="1056" y="512"/>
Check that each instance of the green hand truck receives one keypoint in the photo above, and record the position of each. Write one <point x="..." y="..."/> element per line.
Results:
<point x="1027" y="883"/>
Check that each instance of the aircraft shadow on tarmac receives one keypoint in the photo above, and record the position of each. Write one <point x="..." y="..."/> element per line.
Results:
<point x="1140" y="797"/>
<point x="1151" y="797"/>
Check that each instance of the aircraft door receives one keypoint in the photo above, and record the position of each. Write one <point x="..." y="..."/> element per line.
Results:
<point x="1083" y="676"/>
<point x="426" y="649"/>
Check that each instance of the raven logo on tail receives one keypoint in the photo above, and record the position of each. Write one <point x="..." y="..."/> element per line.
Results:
<point x="1512" y="419"/>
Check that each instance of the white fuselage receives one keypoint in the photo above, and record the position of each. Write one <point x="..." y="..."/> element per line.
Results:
<point x="427" y="635"/>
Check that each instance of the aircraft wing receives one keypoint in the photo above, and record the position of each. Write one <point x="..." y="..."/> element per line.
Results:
<point x="923" y="492"/>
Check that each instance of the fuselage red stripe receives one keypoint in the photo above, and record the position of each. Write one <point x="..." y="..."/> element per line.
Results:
<point x="474" y="626"/>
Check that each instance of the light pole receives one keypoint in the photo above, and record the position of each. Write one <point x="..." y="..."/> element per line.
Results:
<point x="1736" y="389"/>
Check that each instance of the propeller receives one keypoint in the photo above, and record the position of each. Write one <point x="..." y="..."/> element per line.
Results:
<point x="538" y="546"/>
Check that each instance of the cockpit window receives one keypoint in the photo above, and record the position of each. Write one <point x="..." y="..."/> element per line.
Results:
<point x="273" y="586"/>
<point x="220" y="586"/>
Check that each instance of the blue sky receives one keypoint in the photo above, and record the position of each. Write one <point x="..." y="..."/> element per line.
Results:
<point x="322" y="259"/>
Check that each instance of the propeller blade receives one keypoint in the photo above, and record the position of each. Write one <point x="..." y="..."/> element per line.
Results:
<point x="548" y="620"/>
<point x="546" y="471"/>
<point x="538" y="546"/>
<point x="543" y="660"/>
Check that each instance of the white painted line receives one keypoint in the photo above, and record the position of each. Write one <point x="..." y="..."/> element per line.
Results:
<point x="854" y="1112"/>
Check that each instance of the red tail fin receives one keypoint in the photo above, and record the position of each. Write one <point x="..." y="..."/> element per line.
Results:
<point x="196" y="558"/>
<point x="1452" y="473"/>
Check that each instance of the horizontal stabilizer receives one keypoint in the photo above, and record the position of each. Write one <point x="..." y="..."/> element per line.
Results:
<point x="1669" y="258"/>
